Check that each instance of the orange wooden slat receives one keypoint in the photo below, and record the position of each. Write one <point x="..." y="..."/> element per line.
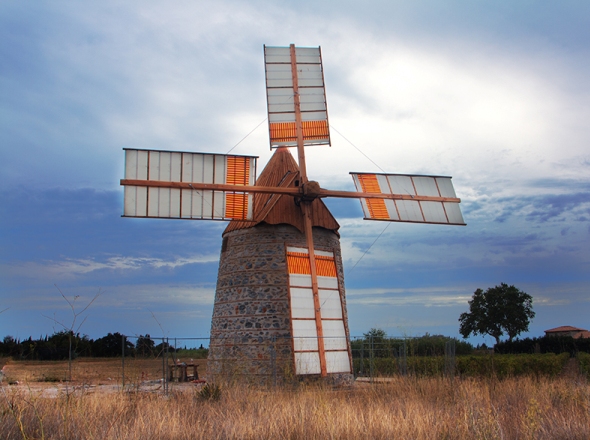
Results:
<point x="238" y="170"/>
<point x="238" y="173"/>
<point x="236" y="206"/>
<point x="282" y="132"/>
<point x="325" y="266"/>
<point x="369" y="183"/>
<point x="315" y="130"/>
<point x="298" y="263"/>
<point x="377" y="208"/>
<point x="286" y="131"/>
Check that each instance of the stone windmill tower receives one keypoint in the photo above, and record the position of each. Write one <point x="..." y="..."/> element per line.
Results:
<point x="280" y="308"/>
<point x="264" y="295"/>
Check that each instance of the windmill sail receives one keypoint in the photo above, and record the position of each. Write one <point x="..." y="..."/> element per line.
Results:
<point x="295" y="78"/>
<point x="311" y="348"/>
<point x="150" y="166"/>
<point x="421" y="199"/>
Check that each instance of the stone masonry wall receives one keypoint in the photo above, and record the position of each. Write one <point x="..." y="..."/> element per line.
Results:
<point x="251" y="324"/>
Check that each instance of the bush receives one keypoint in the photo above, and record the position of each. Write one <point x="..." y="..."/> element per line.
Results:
<point x="584" y="360"/>
<point x="545" y="344"/>
<point x="210" y="392"/>
<point x="501" y="366"/>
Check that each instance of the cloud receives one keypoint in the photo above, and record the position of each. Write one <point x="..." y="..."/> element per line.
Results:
<point x="430" y="297"/>
<point x="70" y="267"/>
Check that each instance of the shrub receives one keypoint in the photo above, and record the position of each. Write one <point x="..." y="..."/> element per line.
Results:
<point x="210" y="392"/>
<point x="545" y="344"/>
<point x="584" y="360"/>
<point x="501" y="366"/>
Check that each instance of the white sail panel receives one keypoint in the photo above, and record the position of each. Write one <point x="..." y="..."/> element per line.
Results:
<point x="334" y="335"/>
<point x="307" y="55"/>
<point x="305" y="335"/>
<point x="184" y="167"/>
<point x="306" y="319"/>
<point x="337" y="362"/>
<point x="331" y="306"/>
<point x="453" y="213"/>
<point x="416" y="199"/>
<point x="307" y="363"/>
<point x="302" y="303"/>
<point x="281" y="82"/>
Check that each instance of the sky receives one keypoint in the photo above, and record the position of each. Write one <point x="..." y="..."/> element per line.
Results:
<point x="494" y="94"/>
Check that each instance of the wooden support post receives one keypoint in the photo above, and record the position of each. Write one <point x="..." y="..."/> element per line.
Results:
<point x="306" y="211"/>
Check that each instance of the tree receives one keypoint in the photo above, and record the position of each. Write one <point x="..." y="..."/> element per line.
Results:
<point x="111" y="345"/>
<point x="377" y="342"/>
<point x="72" y="329"/>
<point x="499" y="310"/>
<point x="144" y="346"/>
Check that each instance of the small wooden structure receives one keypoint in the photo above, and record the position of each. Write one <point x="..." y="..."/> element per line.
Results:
<point x="183" y="372"/>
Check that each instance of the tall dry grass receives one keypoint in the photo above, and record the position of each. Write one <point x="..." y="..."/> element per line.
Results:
<point x="406" y="408"/>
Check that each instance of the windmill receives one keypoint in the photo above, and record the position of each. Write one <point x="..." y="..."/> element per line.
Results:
<point x="280" y="302"/>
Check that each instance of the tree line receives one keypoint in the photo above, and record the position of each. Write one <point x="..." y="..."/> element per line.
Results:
<point x="57" y="347"/>
<point x="376" y="343"/>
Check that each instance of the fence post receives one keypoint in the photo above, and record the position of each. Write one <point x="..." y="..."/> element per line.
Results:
<point x="123" y="360"/>
<point x="361" y="366"/>
<point x="371" y="358"/>
<point x="273" y="359"/>
<point x="450" y="359"/>
<point x="404" y="359"/>
<point x="165" y="365"/>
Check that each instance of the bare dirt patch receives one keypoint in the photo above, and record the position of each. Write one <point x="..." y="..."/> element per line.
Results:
<point x="89" y="371"/>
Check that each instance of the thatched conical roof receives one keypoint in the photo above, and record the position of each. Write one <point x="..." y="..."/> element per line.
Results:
<point x="282" y="170"/>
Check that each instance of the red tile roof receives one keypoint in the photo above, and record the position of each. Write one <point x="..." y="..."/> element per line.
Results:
<point x="565" y="328"/>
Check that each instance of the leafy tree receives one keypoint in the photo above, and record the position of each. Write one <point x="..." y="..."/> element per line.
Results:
<point x="499" y="310"/>
<point x="376" y="341"/>
<point x="111" y="345"/>
<point x="161" y="348"/>
<point x="375" y="334"/>
<point x="144" y="346"/>
<point x="10" y="346"/>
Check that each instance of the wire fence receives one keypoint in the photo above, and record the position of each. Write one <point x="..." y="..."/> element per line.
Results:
<point x="162" y="363"/>
<point x="254" y="356"/>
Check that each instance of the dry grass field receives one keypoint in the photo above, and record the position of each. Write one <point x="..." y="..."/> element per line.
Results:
<point x="405" y="408"/>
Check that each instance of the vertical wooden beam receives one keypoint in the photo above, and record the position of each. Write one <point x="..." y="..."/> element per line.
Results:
<point x="298" y="123"/>
<point x="306" y="210"/>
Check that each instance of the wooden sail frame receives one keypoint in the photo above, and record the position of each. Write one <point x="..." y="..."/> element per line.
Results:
<point x="378" y="199"/>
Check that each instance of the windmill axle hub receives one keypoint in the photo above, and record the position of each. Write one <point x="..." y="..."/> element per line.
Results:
<point x="311" y="191"/>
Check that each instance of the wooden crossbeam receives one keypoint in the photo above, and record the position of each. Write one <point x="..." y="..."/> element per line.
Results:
<point x="291" y="191"/>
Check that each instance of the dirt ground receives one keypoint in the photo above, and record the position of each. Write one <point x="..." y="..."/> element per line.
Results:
<point x="89" y="371"/>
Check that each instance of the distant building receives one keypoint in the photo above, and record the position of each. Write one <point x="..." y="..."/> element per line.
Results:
<point x="568" y="330"/>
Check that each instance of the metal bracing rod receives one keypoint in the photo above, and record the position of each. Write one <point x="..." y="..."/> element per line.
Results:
<point x="290" y="191"/>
